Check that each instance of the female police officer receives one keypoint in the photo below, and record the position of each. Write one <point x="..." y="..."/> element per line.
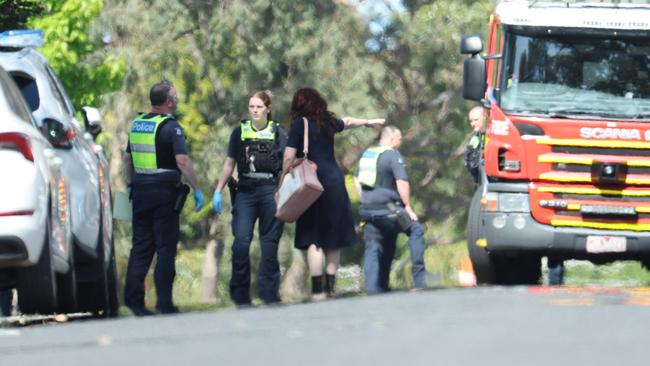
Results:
<point x="256" y="147"/>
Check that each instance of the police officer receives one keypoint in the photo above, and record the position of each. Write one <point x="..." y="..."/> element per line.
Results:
<point x="474" y="148"/>
<point x="156" y="158"/>
<point x="256" y="147"/>
<point x="473" y="158"/>
<point x="383" y="184"/>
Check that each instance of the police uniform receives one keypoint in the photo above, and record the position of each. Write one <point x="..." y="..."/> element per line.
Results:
<point x="473" y="153"/>
<point x="258" y="154"/>
<point x="379" y="169"/>
<point x="154" y="142"/>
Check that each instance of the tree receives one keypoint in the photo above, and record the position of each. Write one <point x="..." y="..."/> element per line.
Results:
<point x="14" y="13"/>
<point x="75" y="53"/>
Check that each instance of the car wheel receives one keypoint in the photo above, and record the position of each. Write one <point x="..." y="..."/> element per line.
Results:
<point x="36" y="285"/>
<point x="111" y="277"/>
<point x="93" y="293"/>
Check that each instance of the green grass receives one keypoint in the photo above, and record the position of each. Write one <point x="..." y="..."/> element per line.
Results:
<point x="442" y="262"/>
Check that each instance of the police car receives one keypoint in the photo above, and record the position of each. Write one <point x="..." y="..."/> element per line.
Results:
<point x="83" y="165"/>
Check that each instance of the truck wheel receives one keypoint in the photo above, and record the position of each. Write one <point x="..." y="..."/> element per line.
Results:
<point x="36" y="285"/>
<point x="481" y="259"/>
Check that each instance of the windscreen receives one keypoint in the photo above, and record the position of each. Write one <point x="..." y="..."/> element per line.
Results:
<point x="578" y="76"/>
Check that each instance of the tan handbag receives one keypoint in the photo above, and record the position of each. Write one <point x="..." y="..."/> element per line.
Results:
<point x="299" y="188"/>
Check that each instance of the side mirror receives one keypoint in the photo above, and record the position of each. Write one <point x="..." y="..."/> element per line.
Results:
<point x="471" y="45"/>
<point x="474" y="77"/>
<point x="92" y="120"/>
<point x="57" y="134"/>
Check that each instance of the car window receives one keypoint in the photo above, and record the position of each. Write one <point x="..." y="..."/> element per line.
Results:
<point x="14" y="98"/>
<point x="55" y="91"/>
<point x="28" y="88"/>
<point x="65" y="100"/>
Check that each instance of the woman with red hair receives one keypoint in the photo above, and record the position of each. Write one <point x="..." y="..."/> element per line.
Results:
<point x="328" y="225"/>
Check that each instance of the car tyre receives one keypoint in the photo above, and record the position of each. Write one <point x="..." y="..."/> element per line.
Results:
<point x="37" y="285"/>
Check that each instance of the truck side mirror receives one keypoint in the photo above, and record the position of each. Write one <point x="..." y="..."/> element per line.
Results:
<point x="474" y="77"/>
<point x="471" y="45"/>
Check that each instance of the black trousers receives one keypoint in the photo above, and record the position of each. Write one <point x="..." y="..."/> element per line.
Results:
<point x="251" y="206"/>
<point x="155" y="231"/>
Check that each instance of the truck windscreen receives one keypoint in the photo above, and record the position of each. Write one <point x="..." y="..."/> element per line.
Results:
<point x="576" y="76"/>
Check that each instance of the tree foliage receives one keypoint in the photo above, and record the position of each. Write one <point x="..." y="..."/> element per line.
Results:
<point x="15" y="13"/>
<point x="75" y="53"/>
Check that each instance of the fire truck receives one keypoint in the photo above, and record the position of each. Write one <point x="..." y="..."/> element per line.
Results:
<point x="565" y="168"/>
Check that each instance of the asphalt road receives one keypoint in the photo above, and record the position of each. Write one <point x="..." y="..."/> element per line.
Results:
<point x="474" y="326"/>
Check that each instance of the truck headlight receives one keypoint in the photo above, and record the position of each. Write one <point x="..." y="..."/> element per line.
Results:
<point x="514" y="202"/>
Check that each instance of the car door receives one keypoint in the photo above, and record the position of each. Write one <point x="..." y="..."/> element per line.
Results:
<point x="80" y="166"/>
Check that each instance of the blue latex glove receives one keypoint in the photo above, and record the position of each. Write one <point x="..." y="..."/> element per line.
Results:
<point x="198" y="200"/>
<point x="217" y="203"/>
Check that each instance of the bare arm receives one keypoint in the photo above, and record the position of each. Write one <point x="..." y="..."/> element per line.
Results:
<point x="352" y="122"/>
<point x="404" y="190"/>
<point x="289" y="157"/>
<point x="187" y="168"/>
<point x="226" y="173"/>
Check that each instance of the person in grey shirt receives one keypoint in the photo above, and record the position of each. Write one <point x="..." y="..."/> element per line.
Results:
<point x="382" y="182"/>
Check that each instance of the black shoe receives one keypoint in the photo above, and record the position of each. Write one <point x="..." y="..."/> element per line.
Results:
<point x="141" y="312"/>
<point x="169" y="310"/>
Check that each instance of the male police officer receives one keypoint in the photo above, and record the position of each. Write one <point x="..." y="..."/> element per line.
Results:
<point x="156" y="157"/>
<point x="474" y="148"/>
<point x="385" y="207"/>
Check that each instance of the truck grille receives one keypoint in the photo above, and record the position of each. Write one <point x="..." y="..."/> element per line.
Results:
<point x="576" y="190"/>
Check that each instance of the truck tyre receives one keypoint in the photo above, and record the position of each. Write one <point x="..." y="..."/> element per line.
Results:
<point x="36" y="285"/>
<point x="481" y="258"/>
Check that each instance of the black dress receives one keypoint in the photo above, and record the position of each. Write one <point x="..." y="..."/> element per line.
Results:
<point x="328" y="223"/>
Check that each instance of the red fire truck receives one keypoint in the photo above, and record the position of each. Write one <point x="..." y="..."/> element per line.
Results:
<point x="566" y="158"/>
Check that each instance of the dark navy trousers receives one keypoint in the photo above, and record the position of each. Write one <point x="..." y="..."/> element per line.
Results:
<point x="155" y="231"/>
<point x="250" y="205"/>
<point x="380" y="236"/>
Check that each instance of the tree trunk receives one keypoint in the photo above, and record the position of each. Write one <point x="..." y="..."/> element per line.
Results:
<point x="293" y="286"/>
<point x="210" y="268"/>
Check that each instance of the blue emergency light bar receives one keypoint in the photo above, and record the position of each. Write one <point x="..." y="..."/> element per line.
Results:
<point x="22" y="38"/>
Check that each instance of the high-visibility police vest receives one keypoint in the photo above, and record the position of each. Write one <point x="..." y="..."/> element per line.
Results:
<point x="368" y="165"/>
<point x="474" y="150"/>
<point x="258" y="152"/>
<point x="142" y="139"/>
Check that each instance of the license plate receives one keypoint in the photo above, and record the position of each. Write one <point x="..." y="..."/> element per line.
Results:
<point x="608" y="210"/>
<point x="606" y="244"/>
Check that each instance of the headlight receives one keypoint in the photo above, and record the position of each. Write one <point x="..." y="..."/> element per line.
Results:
<point x="514" y="202"/>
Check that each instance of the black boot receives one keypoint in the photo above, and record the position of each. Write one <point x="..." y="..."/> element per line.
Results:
<point x="317" y="288"/>
<point x="330" y="284"/>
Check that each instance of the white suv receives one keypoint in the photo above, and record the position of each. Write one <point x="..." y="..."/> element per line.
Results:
<point x="35" y="238"/>
<point x="84" y="167"/>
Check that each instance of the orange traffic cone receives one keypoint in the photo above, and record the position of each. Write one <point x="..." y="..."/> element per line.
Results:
<point x="466" y="276"/>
